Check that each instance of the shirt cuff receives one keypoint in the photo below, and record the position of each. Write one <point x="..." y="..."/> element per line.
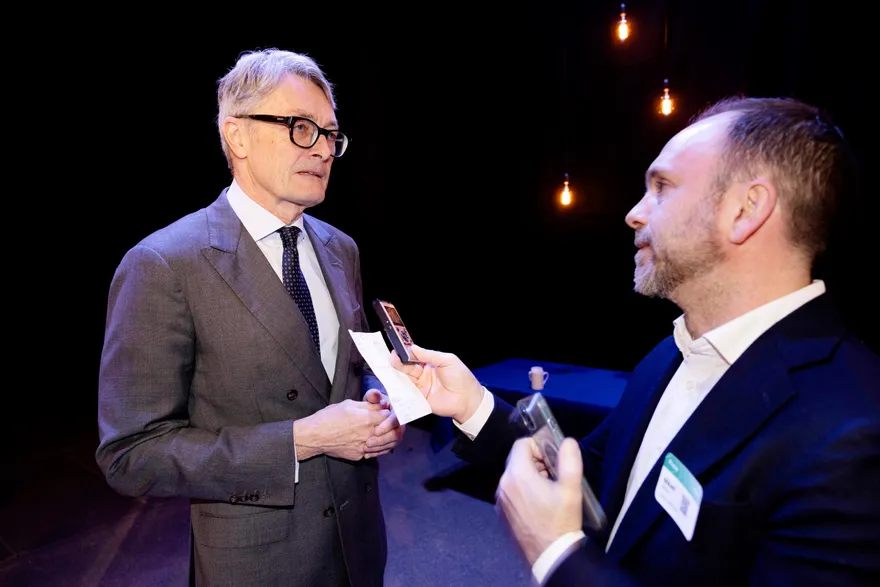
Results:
<point x="555" y="554"/>
<point x="476" y="422"/>
<point x="295" y="464"/>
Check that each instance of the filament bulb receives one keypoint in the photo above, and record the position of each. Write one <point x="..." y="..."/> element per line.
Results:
<point x="622" y="25"/>
<point x="666" y="104"/>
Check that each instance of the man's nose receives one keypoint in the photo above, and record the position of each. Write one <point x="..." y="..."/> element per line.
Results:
<point x="637" y="217"/>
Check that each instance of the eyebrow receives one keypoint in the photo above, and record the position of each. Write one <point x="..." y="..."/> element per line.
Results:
<point x="655" y="173"/>
<point x="304" y="114"/>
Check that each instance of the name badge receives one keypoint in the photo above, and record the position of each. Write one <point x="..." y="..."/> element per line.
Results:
<point x="680" y="494"/>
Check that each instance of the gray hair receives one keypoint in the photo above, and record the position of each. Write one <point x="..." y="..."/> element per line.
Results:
<point x="256" y="75"/>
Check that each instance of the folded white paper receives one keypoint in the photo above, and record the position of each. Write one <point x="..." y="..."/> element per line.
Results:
<point x="408" y="402"/>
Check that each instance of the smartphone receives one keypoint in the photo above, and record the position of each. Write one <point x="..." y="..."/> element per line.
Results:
<point x="538" y="420"/>
<point x="395" y="330"/>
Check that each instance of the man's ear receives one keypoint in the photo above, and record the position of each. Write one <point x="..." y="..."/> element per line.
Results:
<point x="234" y="133"/>
<point x="756" y="203"/>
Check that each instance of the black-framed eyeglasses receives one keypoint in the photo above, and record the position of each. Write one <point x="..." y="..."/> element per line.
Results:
<point x="304" y="132"/>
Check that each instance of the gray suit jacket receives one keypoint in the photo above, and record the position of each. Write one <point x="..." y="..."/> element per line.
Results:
<point x="206" y="362"/>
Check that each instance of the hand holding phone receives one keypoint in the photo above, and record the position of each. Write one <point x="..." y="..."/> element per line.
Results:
<point x="395" y="330"/>
<point x="538" y="420"/>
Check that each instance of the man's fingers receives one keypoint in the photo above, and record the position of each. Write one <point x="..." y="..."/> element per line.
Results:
<point x="378" y="415"/>
<point x="436" y="358"/>
<point x="423" y="355"/>
<point x="373" y="455"/>
<point x="374" y="396"/>
<point x="571" y="466"/>
<point x="396" y="362"/>
<point x="387" y="425"/>
<point x="536" y="450"/>
<point x="519" y="461"/>
<point x="389" y="439"/>
<point x="377" y="444"/>
<point x="542" y="467"/>
<point x="413" y="370"/>
<point x="521" y="454"/>
<point x="525" y="461"/>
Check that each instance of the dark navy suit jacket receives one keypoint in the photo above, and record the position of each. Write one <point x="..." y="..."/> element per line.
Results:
<point x="786" y="447"/>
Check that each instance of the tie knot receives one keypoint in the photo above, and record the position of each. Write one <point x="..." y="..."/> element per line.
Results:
<point x="289" y="235"/>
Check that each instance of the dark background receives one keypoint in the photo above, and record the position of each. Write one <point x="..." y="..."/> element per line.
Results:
<point x="464" y="120"/>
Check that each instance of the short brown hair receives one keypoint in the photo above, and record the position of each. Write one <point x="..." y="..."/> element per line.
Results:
<point x="806" y="155"/>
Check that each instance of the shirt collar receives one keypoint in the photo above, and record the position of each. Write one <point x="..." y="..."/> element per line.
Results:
<point x="732" y="338"/>
<point x="258" y="221"/>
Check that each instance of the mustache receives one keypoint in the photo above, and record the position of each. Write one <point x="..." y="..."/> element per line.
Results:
<point x="642" y="239"/>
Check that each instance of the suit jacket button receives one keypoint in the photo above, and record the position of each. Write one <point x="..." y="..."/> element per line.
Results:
<point x="233" y="499"/>
<point x="292" y="394"/>
<point x="329" y="512"/>
<point x="368" y="488"/>
<point x="254" y="496"/>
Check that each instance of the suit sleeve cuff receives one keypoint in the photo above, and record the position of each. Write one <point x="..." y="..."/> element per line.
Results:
<point x="555" y="554"/>
<point x="476" y="422"/>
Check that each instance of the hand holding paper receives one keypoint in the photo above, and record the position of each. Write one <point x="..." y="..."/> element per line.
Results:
<point x="408" y="402"/>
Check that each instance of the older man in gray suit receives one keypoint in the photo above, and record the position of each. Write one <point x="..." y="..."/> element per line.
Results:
<point x="228" y="375"/>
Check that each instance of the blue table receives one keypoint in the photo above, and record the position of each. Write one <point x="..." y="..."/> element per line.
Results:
<point x="580" y="397"/>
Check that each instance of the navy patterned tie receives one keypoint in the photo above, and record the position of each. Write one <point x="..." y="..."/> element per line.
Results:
<point x="294" y="280"/>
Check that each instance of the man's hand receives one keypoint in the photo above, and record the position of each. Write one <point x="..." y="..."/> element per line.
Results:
<point x="448" y="385"/>
<point x="389" y="433"/>
<point x="339" y="430"/>
<point x="537" y="509"/>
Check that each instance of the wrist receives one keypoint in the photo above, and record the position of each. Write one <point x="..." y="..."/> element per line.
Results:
<point x="474" y="399"/>
<point x="305" y="438"/>
<point x="553" y="555"/>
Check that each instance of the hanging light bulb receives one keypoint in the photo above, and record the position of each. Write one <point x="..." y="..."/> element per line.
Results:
<point x="565" y="198"/>
<point x="666" y="105"/>
<point x="622" y="25"/>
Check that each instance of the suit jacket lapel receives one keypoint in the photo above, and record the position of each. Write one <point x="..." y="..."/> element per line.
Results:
<point x="329" y="258"/>
<point x="754" y="388"/>
<point x="632" y="417"/>
<point x="245" y="268"/>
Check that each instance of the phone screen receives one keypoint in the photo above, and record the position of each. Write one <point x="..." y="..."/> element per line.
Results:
<point x="395" y="330"/>
<point x="392" y="313"/>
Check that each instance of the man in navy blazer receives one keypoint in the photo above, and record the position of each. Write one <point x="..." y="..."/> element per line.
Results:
<point x="746" y="447"/>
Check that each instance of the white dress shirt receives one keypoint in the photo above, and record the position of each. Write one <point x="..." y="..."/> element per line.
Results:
<point x="262" y="225"/>
<point x="704" y="362"/>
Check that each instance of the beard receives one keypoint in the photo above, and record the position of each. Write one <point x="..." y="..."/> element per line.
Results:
<point x="691" y="253"/>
